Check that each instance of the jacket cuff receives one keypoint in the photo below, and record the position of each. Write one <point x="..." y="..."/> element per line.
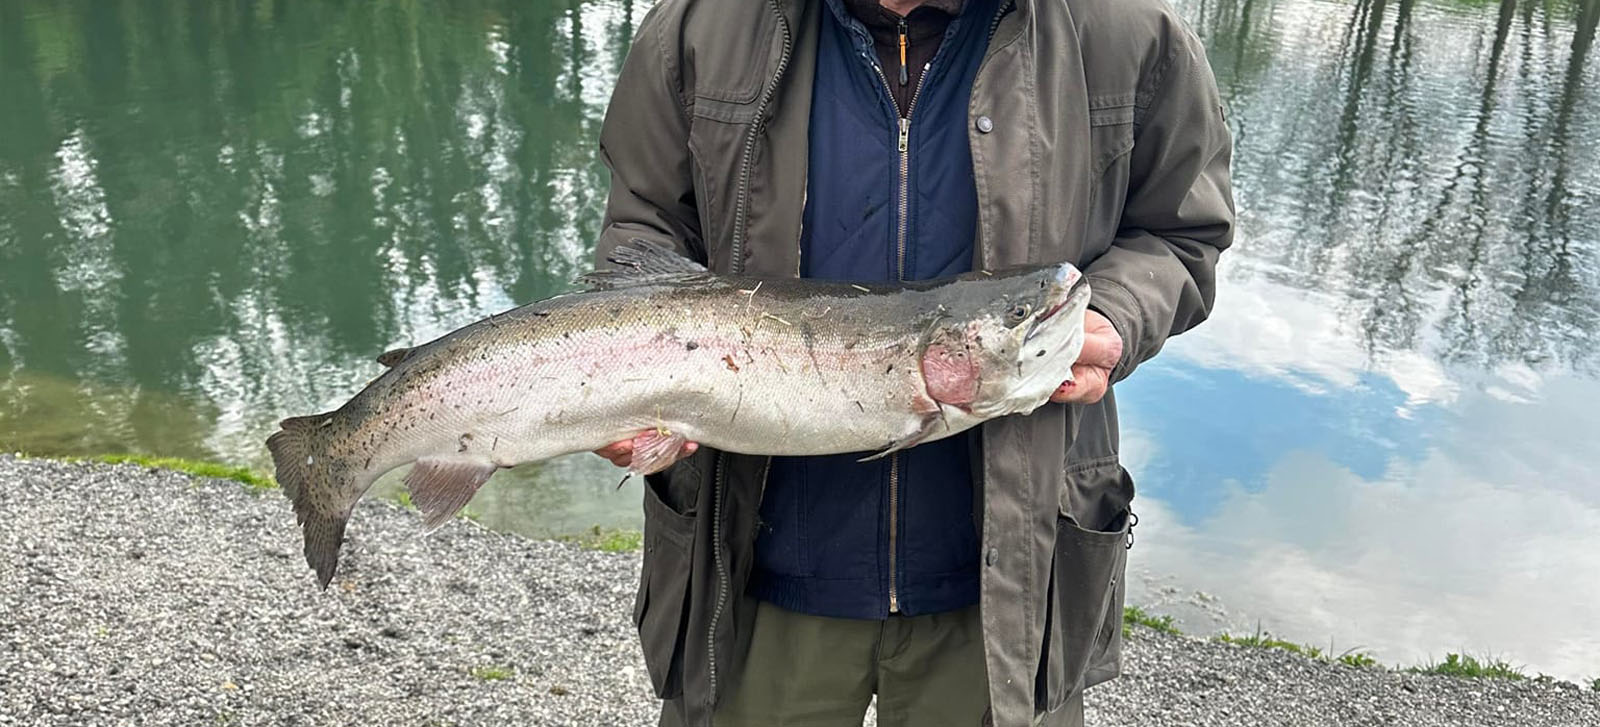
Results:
<point x="1110" y="299"/>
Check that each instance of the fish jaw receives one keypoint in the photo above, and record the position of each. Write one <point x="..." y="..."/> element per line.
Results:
<point x="1043" y="354"/>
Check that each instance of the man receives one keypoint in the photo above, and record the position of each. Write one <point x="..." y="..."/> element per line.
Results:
<point x="973" y="580"/>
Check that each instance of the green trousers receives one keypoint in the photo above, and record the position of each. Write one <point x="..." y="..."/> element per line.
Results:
<point x="812" y="671"/>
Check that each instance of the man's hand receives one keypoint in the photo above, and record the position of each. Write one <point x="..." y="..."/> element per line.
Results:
<point x="621" y="453"/>
<point x="1091" y="375"/>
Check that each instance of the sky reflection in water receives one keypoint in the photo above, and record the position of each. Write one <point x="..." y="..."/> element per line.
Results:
<point x="213" y="216"/>
<point x="1385" y="436"/>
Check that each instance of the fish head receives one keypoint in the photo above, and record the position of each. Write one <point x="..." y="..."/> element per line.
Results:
<point x="1006" y="340"/>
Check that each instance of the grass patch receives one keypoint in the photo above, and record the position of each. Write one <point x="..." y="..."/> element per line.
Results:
<point x="1134" y="616"/>
<point x="610" y="540"/>
<point x="491" y="673"/>
<point x="403" y="498"/>
<point x="251" y="479"/>
<point x="1264" y="640"/>
<point x="1358" y="660"/>
<point x="1469" y="667"/>
<point x="1595" y="685"/>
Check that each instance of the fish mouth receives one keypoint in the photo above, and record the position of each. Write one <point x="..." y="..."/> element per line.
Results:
<point x="1070" y="289"/>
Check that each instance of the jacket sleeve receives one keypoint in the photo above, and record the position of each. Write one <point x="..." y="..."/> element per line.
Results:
<point x="644" y="142"/>
<point x="1158" y="279"/>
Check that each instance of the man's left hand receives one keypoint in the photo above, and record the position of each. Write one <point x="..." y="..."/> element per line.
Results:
<point x="1091" y="375"/>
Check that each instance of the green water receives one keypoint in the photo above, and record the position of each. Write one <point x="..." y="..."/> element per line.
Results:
<point x="213" y="215"/>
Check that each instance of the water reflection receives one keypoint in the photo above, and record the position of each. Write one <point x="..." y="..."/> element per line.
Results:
<point x="238" y="205"/>
<point x="1406" y="331"/>
<point x="212" y="215"/>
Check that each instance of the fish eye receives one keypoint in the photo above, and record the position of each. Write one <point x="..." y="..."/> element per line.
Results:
<point x="1019" y="312"/>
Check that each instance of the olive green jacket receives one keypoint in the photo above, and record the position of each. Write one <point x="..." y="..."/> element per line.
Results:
<point x="1104" y="144"/>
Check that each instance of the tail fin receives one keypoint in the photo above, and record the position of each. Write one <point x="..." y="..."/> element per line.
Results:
<point x="312" y="480"/>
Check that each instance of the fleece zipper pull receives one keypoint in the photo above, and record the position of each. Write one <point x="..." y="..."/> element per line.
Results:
<point x="905" y="77"/>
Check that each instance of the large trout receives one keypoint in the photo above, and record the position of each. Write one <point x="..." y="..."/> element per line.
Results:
<point x="662" y="346"/>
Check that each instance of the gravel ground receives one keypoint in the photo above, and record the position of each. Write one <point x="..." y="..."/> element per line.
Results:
<point x="131" y="596"/>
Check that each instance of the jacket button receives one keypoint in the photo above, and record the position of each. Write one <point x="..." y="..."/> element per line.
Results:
<point x="985" y="124"/>
<point x="992" y="556"/>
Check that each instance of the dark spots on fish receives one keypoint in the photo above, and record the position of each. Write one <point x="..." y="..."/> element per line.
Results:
<point x="496" y="444"/>
<point x="1040" y="353"/>
<point x="541" y="313"/>
<point x="862" y="408"/>
<point x="461" y="444"/>
<point x="889" y="370"/>
<point x="691" y="345"/>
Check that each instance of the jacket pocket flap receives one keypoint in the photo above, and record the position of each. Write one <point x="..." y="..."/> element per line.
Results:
<point x="1111" y="115"/>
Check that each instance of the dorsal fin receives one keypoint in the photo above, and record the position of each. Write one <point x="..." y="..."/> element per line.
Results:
<point x="642" y="262"/>
<point x="390" y="358"/>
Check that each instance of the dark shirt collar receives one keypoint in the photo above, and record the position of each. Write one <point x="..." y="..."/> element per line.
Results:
<point x="878" y="18"/>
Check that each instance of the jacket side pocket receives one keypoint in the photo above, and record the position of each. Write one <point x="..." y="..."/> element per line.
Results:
<point x="661" y="604"/>
<point x="1085" y="614"/>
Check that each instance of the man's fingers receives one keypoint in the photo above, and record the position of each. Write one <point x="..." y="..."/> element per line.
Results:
<point x="1088" y="386"/>
<point x="1101" y="352"/>
<point x="1102" y="345"/>
<point x="620" y="453"/>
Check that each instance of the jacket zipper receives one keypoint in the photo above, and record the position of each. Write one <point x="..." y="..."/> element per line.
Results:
<point x="736" y="266"/>
<point x="904" y="41"/>
<point x="994" y="24"/>
<point x="903" y="146"/>
<point x="741" y="206"/>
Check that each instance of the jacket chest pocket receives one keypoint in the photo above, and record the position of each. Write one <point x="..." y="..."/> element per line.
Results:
<point x="717" y="130"/>
<point x="1111" y="141"/>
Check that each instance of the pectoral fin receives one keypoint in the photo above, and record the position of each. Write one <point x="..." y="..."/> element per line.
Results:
<point x="655" y="450"/>
<point x="930" y="424"/>
<point x="441" y="486"/>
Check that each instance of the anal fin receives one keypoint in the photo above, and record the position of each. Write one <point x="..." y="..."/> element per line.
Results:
<point x="930" y="424"/>
<point x="441" y="486"/>
<point x="655" y="450"/>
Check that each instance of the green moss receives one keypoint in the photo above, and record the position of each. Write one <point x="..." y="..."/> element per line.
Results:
<point x="610" y="540"/>
<point x="403" y="499"/>
<point x="1595" y="685"/>
<point x="491" y="673"/>
<point x="251" y="479"/>
<point x="1470" y="667"/>
<point x="1134" y="616"/>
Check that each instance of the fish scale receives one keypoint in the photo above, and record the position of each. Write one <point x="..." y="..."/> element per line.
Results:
<point x="663" y="352"/>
